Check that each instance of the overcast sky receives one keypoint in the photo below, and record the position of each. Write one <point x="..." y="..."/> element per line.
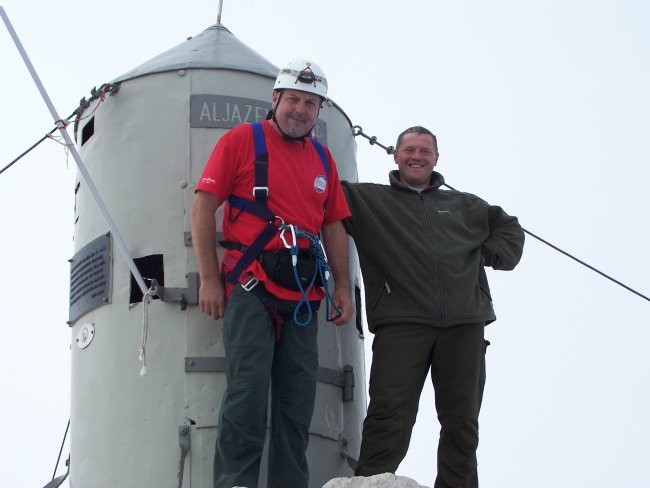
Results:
<point x="540" y="107"/>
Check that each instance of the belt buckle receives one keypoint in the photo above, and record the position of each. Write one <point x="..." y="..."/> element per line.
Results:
<point x="250" y="284"/>
<point x="260" y="192"/>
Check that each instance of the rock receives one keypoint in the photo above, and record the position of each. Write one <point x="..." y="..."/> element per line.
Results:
<point x="385" y="480"/>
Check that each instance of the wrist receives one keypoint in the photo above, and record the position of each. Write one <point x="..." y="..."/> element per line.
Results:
<point x="346" y="285"/>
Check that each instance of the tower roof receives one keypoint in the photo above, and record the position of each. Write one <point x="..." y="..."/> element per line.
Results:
<point x="215" y="47"/>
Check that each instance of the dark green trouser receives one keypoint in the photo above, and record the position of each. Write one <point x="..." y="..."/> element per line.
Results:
<point x="252" y="357"/>
<point x="402" y="356"/>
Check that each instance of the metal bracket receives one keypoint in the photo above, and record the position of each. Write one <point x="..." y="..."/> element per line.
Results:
<point x="343" y="379"/>
<point x="55" y="483"/>
<point x="205" y="364"/>
<point x="187" y="238"/>
<point x="184" y="443"/>
<point x="184" y="296"/>
<point x="343" y="451"/>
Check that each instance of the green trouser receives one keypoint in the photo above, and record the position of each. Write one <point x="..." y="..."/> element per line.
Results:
<point x="402" y="356"/>
<point x="252" y="357"/>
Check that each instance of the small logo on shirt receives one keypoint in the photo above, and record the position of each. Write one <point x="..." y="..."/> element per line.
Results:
<point x="444" y="211"/>
<point x="320" y="183"/>
<point x="208" y="181"/>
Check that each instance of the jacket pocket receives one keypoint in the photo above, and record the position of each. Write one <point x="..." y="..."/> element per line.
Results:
<point x="385" y="291"/>
<point x="483" y="283"/>
<point x="485" y="291"/>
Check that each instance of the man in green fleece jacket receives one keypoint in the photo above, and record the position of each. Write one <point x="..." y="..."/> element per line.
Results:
<point x="422" y="252"/>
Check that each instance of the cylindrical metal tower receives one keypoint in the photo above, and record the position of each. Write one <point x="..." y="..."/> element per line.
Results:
<point x="145" y="146"/>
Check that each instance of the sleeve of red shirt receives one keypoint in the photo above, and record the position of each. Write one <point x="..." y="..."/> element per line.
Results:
<point x="222" y="167"/>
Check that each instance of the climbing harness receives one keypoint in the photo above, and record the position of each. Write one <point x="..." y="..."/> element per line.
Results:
<point x="358" y="131"/>
<point x="259" y="208"/>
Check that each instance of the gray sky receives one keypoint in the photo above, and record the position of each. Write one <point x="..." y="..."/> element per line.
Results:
<point x="540" y="107"/>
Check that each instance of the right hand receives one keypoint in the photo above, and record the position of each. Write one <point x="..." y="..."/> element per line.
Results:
<point x="212" y="299"/>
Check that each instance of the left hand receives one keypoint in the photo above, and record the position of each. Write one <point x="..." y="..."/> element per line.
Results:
<point x="342" y="299"/>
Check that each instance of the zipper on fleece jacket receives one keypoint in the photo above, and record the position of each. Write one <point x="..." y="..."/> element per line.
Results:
<point x="435" y="258"/>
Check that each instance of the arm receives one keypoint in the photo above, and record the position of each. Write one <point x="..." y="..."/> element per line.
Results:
<point x="204" y="237"/>
<point x="348" y="223"/>
<point x="336" y="247"/>
<point x="505" y="245"/>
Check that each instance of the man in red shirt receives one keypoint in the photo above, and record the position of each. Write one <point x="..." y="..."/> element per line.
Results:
<point x="304" y="191"/>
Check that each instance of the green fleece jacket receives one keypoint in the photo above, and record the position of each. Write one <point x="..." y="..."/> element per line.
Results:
<point x="422" y="254"/>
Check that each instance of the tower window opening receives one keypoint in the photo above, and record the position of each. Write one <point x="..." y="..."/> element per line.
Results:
<point x="151" y="268"/>
<point x="88" y="130"/>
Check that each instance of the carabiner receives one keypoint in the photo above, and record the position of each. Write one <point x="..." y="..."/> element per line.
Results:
<point x="277" y="221"/>
<point x="293" y="248"/>
<point x="293" y="235"/>
<point x="327" y="272"/>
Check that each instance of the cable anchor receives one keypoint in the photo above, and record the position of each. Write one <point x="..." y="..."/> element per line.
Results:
<point x="357" y="130"/>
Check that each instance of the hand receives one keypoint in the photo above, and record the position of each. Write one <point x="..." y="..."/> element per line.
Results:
<point x="342" y="299"/>
<point x="212" y="299"/>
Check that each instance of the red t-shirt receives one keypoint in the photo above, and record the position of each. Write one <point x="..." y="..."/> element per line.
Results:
<point x="300" y="191"/>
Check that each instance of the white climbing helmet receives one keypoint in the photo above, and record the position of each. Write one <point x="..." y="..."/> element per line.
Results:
<point x="303" y="75"/>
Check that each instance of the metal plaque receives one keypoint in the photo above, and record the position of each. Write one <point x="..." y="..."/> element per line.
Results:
<point x="90" y="277"/>
<point x="225" y="112"/>
<point x="85" y="335"/>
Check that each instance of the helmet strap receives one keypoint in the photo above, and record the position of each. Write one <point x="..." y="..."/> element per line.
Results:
<point x="287" y="136"/>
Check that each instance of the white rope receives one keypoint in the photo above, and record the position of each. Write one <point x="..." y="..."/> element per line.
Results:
<point x="146" y="298"/>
